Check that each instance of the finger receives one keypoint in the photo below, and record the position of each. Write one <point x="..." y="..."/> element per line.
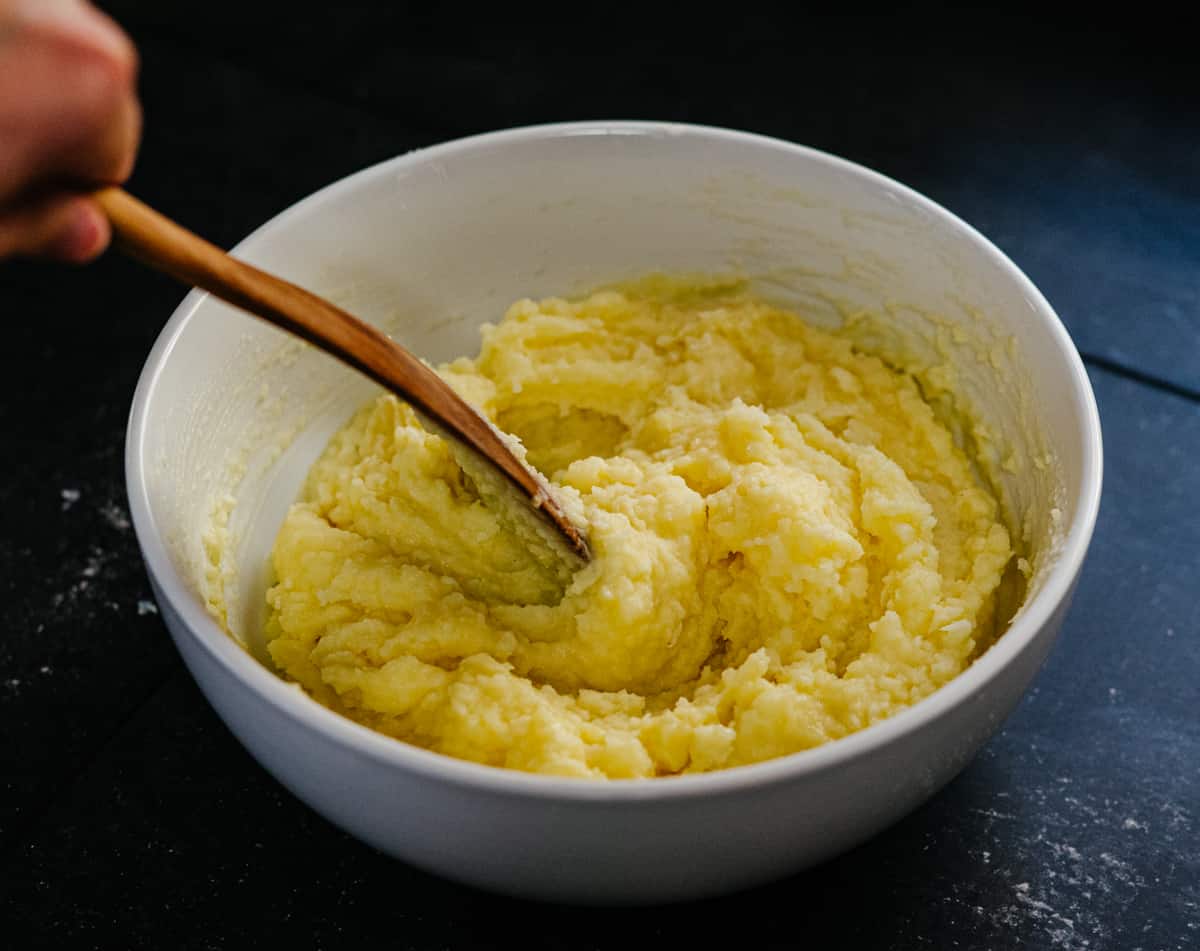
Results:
<point x="81" y="23"/>
<point x="108" y="70"/>
<point x="107" y="156"/>
<point x="66" y="227"/>
<point x="67" y="103"/>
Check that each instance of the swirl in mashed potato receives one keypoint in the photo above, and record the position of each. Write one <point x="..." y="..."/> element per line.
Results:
<point x="788" y="547"/>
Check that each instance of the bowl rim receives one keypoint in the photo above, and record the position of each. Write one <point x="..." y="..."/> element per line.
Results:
<point x="249" y="674"/>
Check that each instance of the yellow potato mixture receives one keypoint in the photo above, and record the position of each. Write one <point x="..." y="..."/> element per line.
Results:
<point x="788" y="547"/>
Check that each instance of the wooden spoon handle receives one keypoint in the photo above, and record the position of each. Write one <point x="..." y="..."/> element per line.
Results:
<point x="169" y="247"/>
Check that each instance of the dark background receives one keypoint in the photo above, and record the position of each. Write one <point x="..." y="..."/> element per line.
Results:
<point x="128" y="815"/>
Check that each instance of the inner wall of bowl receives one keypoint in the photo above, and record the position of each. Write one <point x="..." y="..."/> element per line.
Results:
<point x="434" y="244"/>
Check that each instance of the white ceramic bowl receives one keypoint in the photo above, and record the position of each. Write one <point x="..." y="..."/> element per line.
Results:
<point x="229" y="413"/>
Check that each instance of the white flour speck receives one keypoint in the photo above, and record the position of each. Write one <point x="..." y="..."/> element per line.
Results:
<point x="1063" y="850"/>
<point x="69" y="498"/>
<point x="993" y="813"/>
<point x="1177" y="817"/>
<point x="1059" y="928"/>
<point x="146" y="607"/>
<point x="115" y="515"/>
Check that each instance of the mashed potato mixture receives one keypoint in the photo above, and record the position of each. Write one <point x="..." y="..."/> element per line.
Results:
<point x="788" y="547"/>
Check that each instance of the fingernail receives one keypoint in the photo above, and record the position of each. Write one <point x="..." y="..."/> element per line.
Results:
<point x="78" y="20"/>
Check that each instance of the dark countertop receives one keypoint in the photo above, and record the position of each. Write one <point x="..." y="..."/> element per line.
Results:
<point x="128" y="815"/>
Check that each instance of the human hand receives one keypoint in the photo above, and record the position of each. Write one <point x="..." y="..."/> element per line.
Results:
<point x="69" y="119"/>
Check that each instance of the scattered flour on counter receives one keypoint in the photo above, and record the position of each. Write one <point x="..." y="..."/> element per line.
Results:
<point x="1069" y="873"/>
<point x="1177" y="816"/>
<point x="86" y="590"/>
<point x="1059" y="928"/>
<point x="115" y="515"/>
<point x="94" y="564"/>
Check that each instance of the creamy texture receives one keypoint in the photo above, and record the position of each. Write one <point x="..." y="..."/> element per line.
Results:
<point x="788" y="547"/>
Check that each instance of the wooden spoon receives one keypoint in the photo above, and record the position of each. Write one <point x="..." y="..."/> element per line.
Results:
<point x="161" y="243"/>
